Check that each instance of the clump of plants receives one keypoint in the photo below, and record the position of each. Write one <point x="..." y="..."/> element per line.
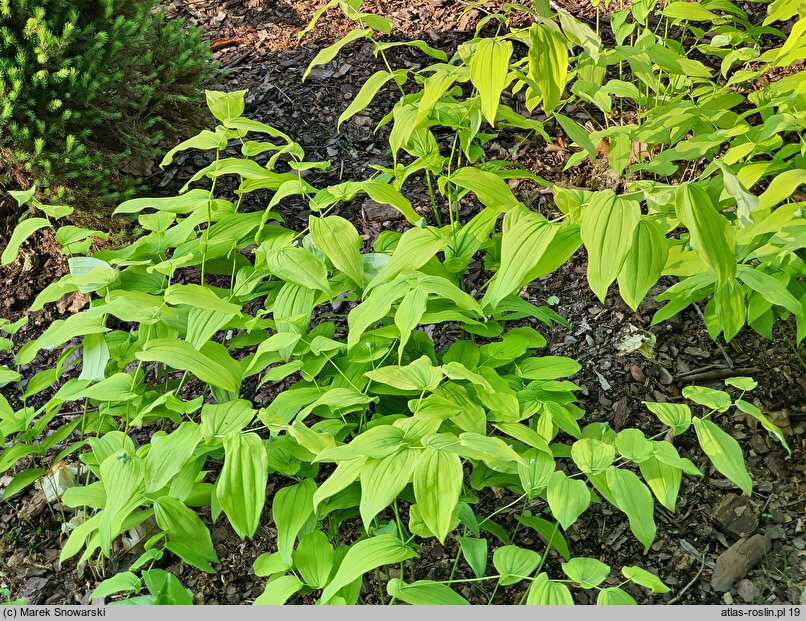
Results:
<point x="92" y="89"/>
<point x="378" y="436"/>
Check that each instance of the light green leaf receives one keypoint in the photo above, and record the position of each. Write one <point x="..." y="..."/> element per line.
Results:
<point x="588" y="573"/>
<point x="182" y="355"/>
<point x="340" y="242"/>
<point x="278" y="591"/>
<point x="633" y="445"/>
<point x="489" y="188"/>
<point x="644" y="264"/>
<point x="752" y="410"/>
<point x="717" y="400"/>
<point x="675" y="415"/>
<point x="592" y="456"/>
<point x="475" y="552"/>
<point x="168" y="454"/>
<point x="724" y="452"/>
<point x="424" y="593"/>
<point x="414" y="249"/>
<point x="645" y="579"/>
<point x="364" y="556"/>
<point x="568" y="498"/>
<point x="298" y="266"/>
<point x="368" y="91"/>
<point x="546" y="592"/>
<point x="122" y="476"/>
<point x="382" y="480"/>
<point x="438" y="480"/>
<point x="608" y="227"/>
<point x="197" y="296"/>
<point x="241" y="486"/>
<point x="514" y="563"/>
<point x="548" y="64"/>
<point x="663" y="479"/>
<point x="225" y="106"/>
<point x="710" y="234"/>
<point x="633" y="498"/>
<point x="314" y="558"/>
<point x="291" y="508"/>
<point x="188" y="536"/>
<point x="489" y="73"/>
<point x="526" y="236"/>
<point x="22" y="232"/>
<point x="330" y="52"/>
<point x="614" y="596"/>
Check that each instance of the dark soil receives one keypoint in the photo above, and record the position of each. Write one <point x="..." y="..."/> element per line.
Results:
<point x="256" y="40"/>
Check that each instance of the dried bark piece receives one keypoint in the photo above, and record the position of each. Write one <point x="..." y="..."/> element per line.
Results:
<point x="737" y="560"/>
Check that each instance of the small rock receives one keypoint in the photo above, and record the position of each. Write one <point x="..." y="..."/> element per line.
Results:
<point x="737" y="560"/>
<point x="736" y="515"/>
<point x="799" y="543"/>
<point x="746" y="590"/>
<point x="727" y="598"/>
<point x="377" y="212"/>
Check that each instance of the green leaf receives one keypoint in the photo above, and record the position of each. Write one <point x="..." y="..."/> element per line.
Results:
<point x="314" y="558"/>
<point x="608" y="227"/>
<point x="674" y="415"/>
<point x="269" y="564"/>
<point x="663" y="479"/>
<point x="592" y="456"/>
<point x="645" y="579"/>
<point x="330" y="52"/>
<point x="386" y="194"/>
<point x="278" y="591"/>
<point x="548" y="531"/>
<point x="724" y="452"/>
<point x="547" y="368"/>
<point x="644" y="264"/>
<point x="345" y="473"/>
<point x="526" y="236"/>
<point x="241" y="486"/>
<point x="475" y="552"/>
<point x="424" y="593"/>
<point x="225" y="106"/>
<point x="382" y="480"/>
<point x="534" y="473"/>
<point x="182" y="355"/>
<point x="771" y="289"/>
<point x="588" y="573"/>
<point x="22" y="231"/>
<point x="188" y="536"/>
<point x="122" y="475"/>
<point x="368" y="91"/>
<point x="489" y="69"/>
<point x="546" y="592"/>
<point x="168" y="454"/>
<point x="614" y="596"/>
<point x="121" y="582"/>
<point x="568" y="498"/>
<point x="298" y="266"/>
<point x="197" y="296"/>
<point x="717" y="400"/>
<point x="341" y="243"/>
<point x="752" y="410"/>
<point x="514" y="564"/>
<point x="548" y="64"/>
<point x="21" y="480"/>
<point x="710" y="233"/>
<point x="408" y="316"/>
<point x="577" y="134"/>
<point x="633" y="445"/>
<point x="414" y="249"/>
<point x="489" y="188"/>
<point x="419" y="375"/>
<point x="438" y="480"/>
<point x="364" y="556"/>
<point x="291" y="508"/>
<point x="633" y="498"/>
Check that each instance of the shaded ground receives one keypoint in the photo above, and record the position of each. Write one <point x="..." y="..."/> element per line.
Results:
<point x="257" y="41"/>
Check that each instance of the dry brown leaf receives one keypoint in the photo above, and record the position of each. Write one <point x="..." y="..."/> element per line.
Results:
<point x="72" y="302"/>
